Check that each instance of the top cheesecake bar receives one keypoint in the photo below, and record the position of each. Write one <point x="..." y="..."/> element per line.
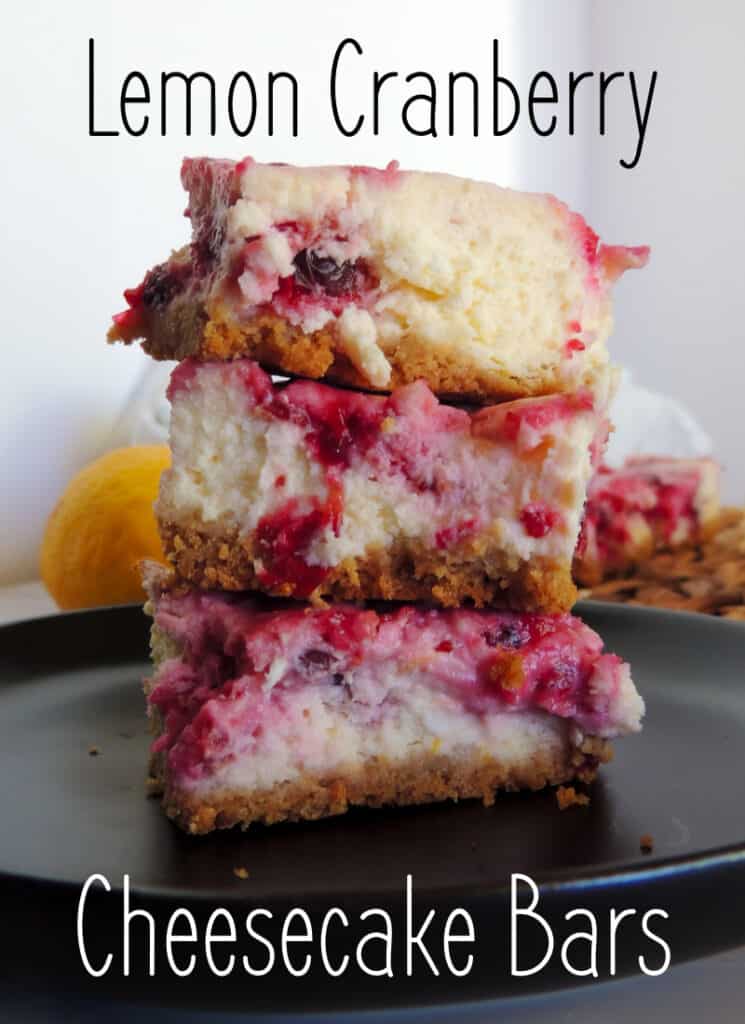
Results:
<point x="377" y="278"/>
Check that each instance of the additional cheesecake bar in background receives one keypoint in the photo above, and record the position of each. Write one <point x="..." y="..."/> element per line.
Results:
<point x="267" y="710"/>
<point x="706" y="577"/>
<point x="307" y="490"/>
<point x="650" y="503"/>
<point x="379" y="278"/>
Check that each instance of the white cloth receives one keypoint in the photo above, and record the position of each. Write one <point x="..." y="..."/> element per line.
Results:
<point x="649" y="423"/>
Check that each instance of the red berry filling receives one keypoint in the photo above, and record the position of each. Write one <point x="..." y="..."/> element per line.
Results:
<point x="321" y="281"/>
<point x="408" y="438"/>
<point x="283" y="538"/>
<point x="452" y="535"/>
<point x="156" y="291"/>
<point x="389" y="175"/>
<point x="539" y="519"/>
<point x="338" y="424"/>
<point x="537" y="415"/>
<point x="215" y="695"/>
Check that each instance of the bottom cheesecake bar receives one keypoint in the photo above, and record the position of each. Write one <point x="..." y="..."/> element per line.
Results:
<point x="266" y="710"/>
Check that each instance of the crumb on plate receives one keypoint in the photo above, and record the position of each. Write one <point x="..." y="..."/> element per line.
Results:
<point x="567" y="796"/>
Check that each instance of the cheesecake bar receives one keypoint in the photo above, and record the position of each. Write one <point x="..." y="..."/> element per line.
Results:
<point x="376" y="279"/>
<point x="265" y="710"/>
<point x="648" y="504"/>
<point x="306" y="490"/>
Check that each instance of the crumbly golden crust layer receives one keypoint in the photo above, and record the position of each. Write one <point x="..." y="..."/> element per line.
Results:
<point x="409" y="571"/>
<point x="421" y="779"/>
<point x="185" y="328"/>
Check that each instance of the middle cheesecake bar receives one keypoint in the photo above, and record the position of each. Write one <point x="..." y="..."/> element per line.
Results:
<point x="305" y="490"/>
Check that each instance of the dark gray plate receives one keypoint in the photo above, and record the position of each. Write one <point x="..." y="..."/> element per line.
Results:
<point x="72" y="682"/>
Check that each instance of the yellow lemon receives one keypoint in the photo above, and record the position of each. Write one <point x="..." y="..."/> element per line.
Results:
<point x="102" y="526"/>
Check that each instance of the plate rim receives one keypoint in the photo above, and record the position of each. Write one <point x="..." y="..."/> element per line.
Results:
<point x="557" y="882"/>
<point x="689" y="875"/>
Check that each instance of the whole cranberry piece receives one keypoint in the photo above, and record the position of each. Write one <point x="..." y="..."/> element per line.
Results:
<point x="159" y="288"/>
<point x="313" y="271"/>
<point x="315" y="661"/>
<point x="506" y="635"/>
<point x="538" y="519"/>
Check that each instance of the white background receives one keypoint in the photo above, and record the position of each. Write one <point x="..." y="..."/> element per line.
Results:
<point x="84" y="217"/>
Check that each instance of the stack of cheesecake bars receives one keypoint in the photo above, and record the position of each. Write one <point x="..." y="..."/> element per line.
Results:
<point x="391" y="392"/>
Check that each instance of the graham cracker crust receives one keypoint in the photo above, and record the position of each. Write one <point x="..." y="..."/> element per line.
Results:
<point x="409" y="571"/>
<point x="186" y="327"/>
<point x="422" y="779"/>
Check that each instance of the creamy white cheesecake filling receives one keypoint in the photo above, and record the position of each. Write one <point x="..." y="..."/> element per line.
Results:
<point x="315" y="738"/>
<point x="481" y="291"/>
<point x="319" y="730"/>
<point x="489" y="276"/>
<point x="228" y="458"/>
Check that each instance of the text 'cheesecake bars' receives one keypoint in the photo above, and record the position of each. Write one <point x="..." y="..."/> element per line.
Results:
<point x="380" y="278"/>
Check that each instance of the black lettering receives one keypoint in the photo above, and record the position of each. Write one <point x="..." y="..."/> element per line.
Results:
<point x="534" y="99"/>
<point x="378" y="82"/>
<point x="452" y="79"/>
<point x="430" y="98"/>
<point x="605" y="81"/>
<point x="332" y="85"/>
<point x="641" y="119"/>
<point x="499" y="80"/>
<point x="125" y="99"/>
<point x="91" y="91"/>
<point x="276" y="76"/>
<point x="188" y="81"/>
<point x="574" y="81"/>
<point x="245" y="77"/>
